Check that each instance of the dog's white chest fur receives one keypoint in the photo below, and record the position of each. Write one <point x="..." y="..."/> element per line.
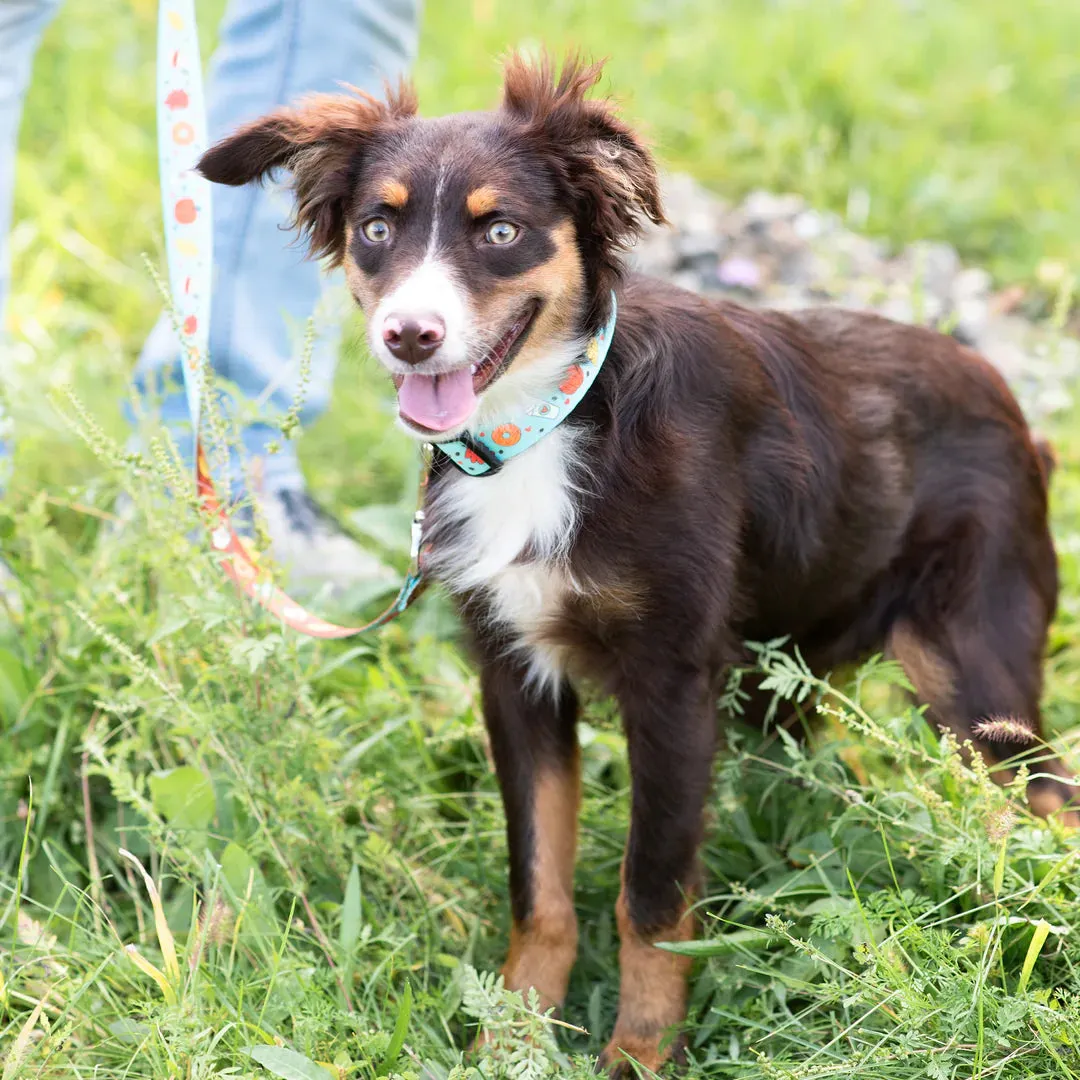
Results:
<point x="514" y="530"/>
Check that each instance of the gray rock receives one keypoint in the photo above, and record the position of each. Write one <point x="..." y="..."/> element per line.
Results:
<point x="739" y="272"/>
<point x="773" y="250"/>
<point x="932" y="266"/>
<point x="764" y="207"/>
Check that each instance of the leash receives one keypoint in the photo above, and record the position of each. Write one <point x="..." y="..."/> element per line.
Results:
<point x="186" y="209"/>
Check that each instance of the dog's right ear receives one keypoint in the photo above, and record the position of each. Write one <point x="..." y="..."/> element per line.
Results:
<point x="605" y="169"/>
<point x="319" y="142"/>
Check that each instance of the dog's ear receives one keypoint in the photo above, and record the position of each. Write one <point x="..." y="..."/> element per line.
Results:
<point x="606" y="166"/>
<point x="319" y="142"/>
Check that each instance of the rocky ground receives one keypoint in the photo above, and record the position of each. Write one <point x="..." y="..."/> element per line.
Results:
<point x="774" y="250"/>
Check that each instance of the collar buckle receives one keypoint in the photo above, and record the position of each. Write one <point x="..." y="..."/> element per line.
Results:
<point x="484" y="453"/>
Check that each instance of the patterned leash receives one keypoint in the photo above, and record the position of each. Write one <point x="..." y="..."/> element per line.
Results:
<point x="186" y="206"/>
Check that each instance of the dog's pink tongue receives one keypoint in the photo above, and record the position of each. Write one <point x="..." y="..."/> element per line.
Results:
<point x="438" y="402"/>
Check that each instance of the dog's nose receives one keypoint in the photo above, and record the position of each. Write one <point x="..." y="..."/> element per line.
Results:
<point x="412" y="338"/>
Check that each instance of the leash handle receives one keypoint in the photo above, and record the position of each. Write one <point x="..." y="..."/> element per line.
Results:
<point x="186" y="209"/>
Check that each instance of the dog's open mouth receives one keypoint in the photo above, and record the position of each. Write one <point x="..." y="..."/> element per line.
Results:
<point x="438" y="403"/>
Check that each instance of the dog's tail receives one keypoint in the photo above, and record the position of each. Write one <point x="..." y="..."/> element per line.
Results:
<point x="1047" y="457"/>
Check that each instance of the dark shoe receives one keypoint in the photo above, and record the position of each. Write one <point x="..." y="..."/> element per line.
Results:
<point x="312" y="546"/>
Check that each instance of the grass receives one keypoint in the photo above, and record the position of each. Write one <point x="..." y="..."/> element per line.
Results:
<point x="321" y="820"/>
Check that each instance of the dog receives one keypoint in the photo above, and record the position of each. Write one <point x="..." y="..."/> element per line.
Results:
<point x="726" y="475"/>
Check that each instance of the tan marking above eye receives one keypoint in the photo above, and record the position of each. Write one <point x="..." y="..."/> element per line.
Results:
<point x="394" y="193"/>
<point x="481" y="201"/>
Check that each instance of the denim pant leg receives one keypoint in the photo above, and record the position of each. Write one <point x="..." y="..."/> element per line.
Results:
<point x="271" y="52"/>
<point x="21" y="24"/>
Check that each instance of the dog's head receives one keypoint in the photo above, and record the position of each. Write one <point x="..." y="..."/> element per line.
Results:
<point x="481" y="246"/>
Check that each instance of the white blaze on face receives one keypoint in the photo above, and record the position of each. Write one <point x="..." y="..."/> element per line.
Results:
<point x="431" y="289"/>
<point x="436" y="394"/>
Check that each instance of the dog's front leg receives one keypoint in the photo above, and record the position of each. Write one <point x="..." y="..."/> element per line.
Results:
<point x="671" y="733"/>
<point x="534" y="743"/>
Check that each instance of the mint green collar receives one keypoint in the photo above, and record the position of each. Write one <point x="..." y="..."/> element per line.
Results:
<point x="484" y="452"/>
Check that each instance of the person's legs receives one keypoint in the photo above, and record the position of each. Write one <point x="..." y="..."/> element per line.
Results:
<point x="21" y="24"/>
<point x="270" y="53"/>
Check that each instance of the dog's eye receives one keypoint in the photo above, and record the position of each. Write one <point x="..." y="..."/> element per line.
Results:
<point x="502" y="232"/>
<point x="377" y="230"/>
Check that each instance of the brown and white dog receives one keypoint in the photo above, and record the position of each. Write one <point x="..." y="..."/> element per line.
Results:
<point x="730" y="475"/>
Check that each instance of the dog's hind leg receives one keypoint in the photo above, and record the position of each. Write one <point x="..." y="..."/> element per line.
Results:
<point x="977" y="663"/>
<point x="670" y="722"/>
<point x="534" y="743"/>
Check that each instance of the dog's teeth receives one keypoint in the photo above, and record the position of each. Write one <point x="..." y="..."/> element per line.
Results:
<point x="472" y="370"/>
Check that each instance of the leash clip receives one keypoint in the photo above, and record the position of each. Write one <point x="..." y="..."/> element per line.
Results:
<point x="417" y="536"/>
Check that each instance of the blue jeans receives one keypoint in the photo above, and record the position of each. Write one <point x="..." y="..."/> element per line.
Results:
<point x="269" y="53"/>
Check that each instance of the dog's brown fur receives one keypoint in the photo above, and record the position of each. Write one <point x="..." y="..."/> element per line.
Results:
<point x="850" y="482"/>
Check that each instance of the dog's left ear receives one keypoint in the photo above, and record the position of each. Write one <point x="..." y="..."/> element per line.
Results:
<point x="320" y="142"/>
<point x="602" y="162"/>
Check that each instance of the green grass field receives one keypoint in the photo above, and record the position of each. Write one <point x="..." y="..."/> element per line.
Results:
<point x="321" y="820"/>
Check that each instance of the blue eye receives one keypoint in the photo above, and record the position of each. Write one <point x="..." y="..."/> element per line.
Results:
<point x="501" y="232"/>
<point x="377" y="230"/>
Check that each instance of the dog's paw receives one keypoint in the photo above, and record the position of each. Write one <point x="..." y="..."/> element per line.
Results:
<point x="633" y="1057"/>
